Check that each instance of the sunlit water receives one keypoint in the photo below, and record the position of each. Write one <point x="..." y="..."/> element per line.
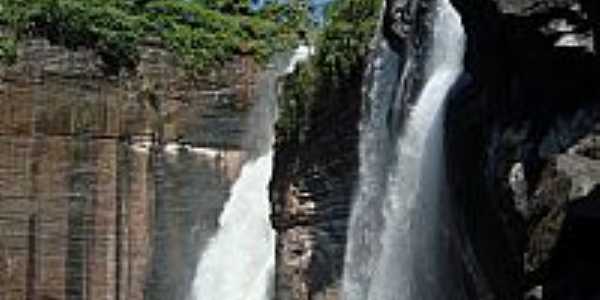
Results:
<point x="394" y="240"/>
<point x="238" y="263"/>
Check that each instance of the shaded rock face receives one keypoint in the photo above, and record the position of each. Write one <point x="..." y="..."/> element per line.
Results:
<point x="110" y="186"/>
<point x="311" y="190"/>
<point x="522" y="127"/>
<point x="574" y="257"/>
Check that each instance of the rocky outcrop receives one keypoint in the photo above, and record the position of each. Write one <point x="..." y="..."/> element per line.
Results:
<point x="520" y="125"/>
<point x="313" y="181"/>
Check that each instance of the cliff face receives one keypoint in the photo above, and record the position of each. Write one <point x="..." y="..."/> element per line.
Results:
<point x="110" y="186"/>
<point x="522" y="130"/>
<point x="316" y="156"/>
<point x="311" y="188"/>
<point x="521" y="133"/>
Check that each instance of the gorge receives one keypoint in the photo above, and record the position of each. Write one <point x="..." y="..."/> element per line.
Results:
<point x="427" y="149"/>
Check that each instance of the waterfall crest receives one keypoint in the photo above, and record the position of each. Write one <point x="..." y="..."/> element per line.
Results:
<point x="395" y="238"/>
<point x="239" y="261"/>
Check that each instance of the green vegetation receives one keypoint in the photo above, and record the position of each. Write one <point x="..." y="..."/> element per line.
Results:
<point x="204" y="33"/>
<point x="298" y="97"/>
<point x="343" y="46"/>
<point x="8" y="50"/>
<point x="344" y="43"/>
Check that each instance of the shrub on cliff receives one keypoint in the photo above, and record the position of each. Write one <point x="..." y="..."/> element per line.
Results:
<point x="104" y="26"/>
<point x="344" y="42"/>
<point x="343" y="45"/>
<point x="204" y="37"/>
<point x="8" y="50"/>
<point x="203" y="33"/>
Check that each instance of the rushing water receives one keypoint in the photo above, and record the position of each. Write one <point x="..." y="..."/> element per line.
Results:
<point x="395" y="238"/>
<point x="239" y="261"/>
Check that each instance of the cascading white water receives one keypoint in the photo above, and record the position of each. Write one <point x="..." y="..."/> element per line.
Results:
<point x="395" y="236"/>
<point x="239" y="261"/>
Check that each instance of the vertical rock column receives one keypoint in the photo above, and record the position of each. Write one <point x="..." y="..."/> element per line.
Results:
<point x="103" y="250"/>
<point x="50" y="226"/>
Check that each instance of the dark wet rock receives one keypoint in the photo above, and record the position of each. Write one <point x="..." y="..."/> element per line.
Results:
<point x="572" y="268"/>
<point x="521" y="131"/>
<point x="566" y="179"/>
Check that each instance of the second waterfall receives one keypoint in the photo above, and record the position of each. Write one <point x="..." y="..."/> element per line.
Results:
<point x="397" y="238"/>
<point x="239" y="260"/>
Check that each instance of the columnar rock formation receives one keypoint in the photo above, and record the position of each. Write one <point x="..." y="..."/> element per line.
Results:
<point x="110" y="185"/>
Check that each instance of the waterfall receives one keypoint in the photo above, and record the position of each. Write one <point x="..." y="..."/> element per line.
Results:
<point x="239" y="261"/>
<point x="396" y="237"/>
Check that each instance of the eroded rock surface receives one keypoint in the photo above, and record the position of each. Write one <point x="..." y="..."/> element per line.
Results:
<point x="519" y="130"/>
<point x="111" y="185"/>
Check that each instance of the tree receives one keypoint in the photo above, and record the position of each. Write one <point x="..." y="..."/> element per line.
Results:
<point x="232" y="7"/>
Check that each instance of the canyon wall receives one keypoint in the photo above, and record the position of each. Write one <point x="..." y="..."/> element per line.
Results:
<point x="522" y="130"/>
<point x="111" y="185"/>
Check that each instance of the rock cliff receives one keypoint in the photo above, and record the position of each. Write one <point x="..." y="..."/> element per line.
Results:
<point x="522" y="127"/>
<point x="311" y="188"/>
<point x="111" y="185"/>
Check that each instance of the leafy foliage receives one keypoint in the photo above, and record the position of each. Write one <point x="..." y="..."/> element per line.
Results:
<point x="8" y="50"/>
<point x="295" y="104"/>
<point x="204" y="33"/>
<point x="227" y="6"/>
<point x="345" y="41"/>
<point x="343" y="45"/>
